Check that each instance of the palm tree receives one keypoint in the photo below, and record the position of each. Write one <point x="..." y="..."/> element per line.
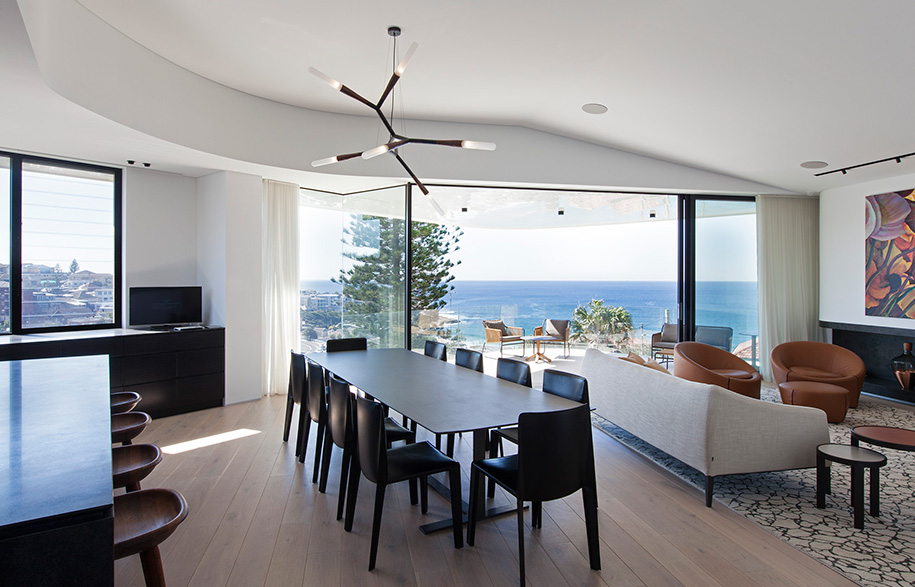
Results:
<point x="597" y="323"/>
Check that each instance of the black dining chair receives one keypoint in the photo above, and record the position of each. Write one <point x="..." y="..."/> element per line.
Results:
<point x="469" y="359"/>
<point x="316" y="406"/>
<point x="294" y="396"/>
<point x="561" y="383"/>
<point x="335" y="345"/>
<point x="342" y="433"/>
<point x="547" y="467"/>
<point x="384" y="466"/>
<point x="514" y="370"/>
<point x="436" y="350"/>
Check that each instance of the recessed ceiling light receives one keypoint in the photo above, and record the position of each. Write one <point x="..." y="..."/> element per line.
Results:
<point x="594" y="108"/>
<point x="814" y="164"/>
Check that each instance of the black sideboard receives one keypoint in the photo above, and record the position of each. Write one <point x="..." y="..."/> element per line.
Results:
<point x="877" y="346"/>
<point x="175" y="372"/>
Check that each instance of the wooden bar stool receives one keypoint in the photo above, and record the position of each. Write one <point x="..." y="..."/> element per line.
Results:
<point x="124" y="401"/>
<point x="127" y="426"/>
<point x="143" y="520"/>
<point x="131" y="464"/>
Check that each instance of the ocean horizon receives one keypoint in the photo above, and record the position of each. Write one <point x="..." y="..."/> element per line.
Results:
<point x="528" y="303"/>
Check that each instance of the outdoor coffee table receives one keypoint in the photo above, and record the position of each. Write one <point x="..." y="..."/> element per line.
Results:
<point x="886" y="436"/>
<point x="859" y="459"/>
<point x="537" y="354"/>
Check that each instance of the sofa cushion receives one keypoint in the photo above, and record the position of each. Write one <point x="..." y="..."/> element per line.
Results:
<point x="652" y="364"/>
<point x="634" y="358"/>
<point x="670" y="333"/>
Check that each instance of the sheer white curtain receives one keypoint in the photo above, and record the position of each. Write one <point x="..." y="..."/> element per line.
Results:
<point x="788" y="244"/>
<point x="281" y="282"/>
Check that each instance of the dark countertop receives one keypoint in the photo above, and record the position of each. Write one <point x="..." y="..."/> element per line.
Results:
<point x="55" y="440"/>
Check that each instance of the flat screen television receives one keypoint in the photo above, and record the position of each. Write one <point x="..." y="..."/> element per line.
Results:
<point x="165" y="306"/>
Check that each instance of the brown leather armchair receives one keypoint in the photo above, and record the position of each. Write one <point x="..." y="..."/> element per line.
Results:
<point x="704" y="363"/>
<point x="805" y="360"/>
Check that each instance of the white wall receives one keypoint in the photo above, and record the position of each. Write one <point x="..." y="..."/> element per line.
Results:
<point x="230" y="266"/>
<point x="159" y="229"/>
<point x="842" y="252"/>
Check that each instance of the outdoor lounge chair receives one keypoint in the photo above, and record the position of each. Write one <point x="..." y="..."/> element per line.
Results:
<point x="497" y="331"/>
<point x="558" y="330"/>
<point x="664" y="342"/>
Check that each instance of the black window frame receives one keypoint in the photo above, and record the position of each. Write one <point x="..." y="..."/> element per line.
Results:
<point x="16" y="162"/>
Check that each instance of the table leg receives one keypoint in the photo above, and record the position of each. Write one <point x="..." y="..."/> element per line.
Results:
<point x="857" y="495"/>
<point x="822" y="481"/>
<point x="875" y="491"/>
<point x="479" y="453"/>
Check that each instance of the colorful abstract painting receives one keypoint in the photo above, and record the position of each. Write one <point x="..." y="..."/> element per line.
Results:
<point x="889" y="284"/>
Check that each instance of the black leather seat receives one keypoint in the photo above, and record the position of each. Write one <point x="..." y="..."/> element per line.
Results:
<point x="384" y="466"/>
<point x="548" y="466"/>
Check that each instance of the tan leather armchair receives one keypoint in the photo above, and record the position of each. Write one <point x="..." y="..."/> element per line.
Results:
<point x="497" y="332"/>
<point x="704" y="363"/>
<point x="806" y="360"/>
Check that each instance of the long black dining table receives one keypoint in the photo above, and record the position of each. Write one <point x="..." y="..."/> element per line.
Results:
<point x="441" y="397"/>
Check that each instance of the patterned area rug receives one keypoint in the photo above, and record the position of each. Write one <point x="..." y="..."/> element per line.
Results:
<point x="784" y="502"/>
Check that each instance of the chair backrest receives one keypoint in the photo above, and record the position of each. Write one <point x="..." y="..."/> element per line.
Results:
<point x="297" y="376"/>
<point x="557" y="328"/>
<point x="436" y="350"/>
<point x="316" y="400"/>
<point x="555" y="453"/>
<point x="567" y="385"/>
<point x="346" y="344"/>
<point x="514" y="370"/>
<point x="371" y="440"/>
<point x="469" y="359"/>
<point x="670" y="332"/>
<point x="719" y="336"/>
<point x="340" y="412"/>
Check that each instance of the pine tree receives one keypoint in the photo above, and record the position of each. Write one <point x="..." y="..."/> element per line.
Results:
<point x="375" y="283"/>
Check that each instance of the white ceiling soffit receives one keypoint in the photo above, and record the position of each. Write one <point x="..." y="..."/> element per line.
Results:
<point x="748" y="89"/>
<point x="92" y="64"/>
<point x="502" y="209"/>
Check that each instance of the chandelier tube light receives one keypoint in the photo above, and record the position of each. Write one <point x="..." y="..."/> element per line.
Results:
<point x="395" y="140"/>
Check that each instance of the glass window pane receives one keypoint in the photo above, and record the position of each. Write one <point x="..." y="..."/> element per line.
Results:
<point x="352" y="265"/>
<point x="4" y="244"/>
<point x="726" y="276"/>
<point x="605" y="262"/>
<point x="67" y="246"/>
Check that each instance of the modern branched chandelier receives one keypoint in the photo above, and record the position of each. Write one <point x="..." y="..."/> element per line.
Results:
<point x="395" y="139"/>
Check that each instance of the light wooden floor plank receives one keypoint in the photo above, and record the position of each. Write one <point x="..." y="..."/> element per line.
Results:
<point x="256" y="519"/>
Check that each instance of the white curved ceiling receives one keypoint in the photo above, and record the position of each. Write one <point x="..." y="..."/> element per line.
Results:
<point x="747" y="89"/>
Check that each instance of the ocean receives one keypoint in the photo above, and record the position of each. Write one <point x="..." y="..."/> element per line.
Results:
<point x="528" y="303"/>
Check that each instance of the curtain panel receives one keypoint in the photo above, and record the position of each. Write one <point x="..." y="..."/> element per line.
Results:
<point x="281" y="282"/>
<point x="788" y="244"/>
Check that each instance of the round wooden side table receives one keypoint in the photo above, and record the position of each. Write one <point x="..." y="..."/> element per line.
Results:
<point x="859" y="459"/>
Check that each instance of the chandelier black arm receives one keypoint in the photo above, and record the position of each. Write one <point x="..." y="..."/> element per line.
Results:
<point x="355" y="96"/>
<point x="446" y="143"/>
<point x="419" y="184"/>
<point x="384" y="95"/>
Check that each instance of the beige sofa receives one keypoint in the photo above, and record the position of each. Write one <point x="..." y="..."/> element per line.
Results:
<point x="709" y="428"/>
